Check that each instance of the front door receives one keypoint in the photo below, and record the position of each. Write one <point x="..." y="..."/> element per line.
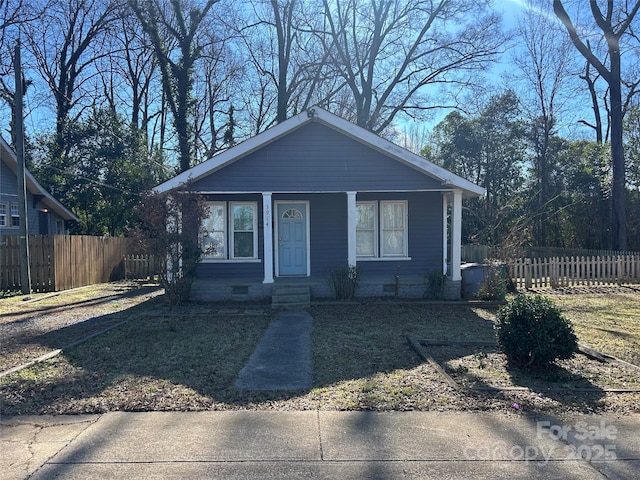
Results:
<point x="292" y="239"/>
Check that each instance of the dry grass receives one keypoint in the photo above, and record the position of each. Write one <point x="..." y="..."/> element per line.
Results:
<point x="188" y="359"/>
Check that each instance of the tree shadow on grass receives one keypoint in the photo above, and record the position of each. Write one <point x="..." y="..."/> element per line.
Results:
<point x="190" y="359"/>
<point x="485" y="372"/>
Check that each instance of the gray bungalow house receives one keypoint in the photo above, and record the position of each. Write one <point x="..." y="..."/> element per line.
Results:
<point x="45" y="215"/>
<point x="317" y="192"/>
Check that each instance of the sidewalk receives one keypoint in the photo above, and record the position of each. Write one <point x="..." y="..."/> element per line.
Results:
<point x="319" y="444"/>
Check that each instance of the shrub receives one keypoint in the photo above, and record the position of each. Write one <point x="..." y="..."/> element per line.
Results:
<point x="343" y="281"/>
<point x="532" y="332"/>
<point x="435" y="282"/>
<point x="494" y="286"/>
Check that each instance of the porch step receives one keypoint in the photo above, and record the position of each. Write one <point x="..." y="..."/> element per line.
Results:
<point x="290" y="297"/>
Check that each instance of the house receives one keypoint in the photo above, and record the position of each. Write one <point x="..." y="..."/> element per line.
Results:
<point x="45" y="215"/>
<point x="317" y="192"/>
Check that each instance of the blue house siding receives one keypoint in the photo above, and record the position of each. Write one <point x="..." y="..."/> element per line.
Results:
<point x="329" y="237"/>
<point x="328" y="232"/>
<point x="315" y="158"/>
<point x="425" y="236"/>
<point x="238" y="271"/>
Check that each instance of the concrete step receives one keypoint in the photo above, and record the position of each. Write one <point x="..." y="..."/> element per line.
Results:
<point x="291" y="297"/>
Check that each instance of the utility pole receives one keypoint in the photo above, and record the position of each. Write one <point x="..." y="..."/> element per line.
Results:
<point x="25" y="272"/>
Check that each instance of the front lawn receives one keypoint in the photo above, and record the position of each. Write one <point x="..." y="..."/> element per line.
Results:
<point x="189" y="359"/>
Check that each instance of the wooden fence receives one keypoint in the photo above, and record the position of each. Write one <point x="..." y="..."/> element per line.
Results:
<point x="142" y="266"/>
<point x="61" y="262"/>
<point x="557" y="272"/>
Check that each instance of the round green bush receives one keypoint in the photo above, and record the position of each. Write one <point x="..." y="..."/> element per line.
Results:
<point x="532" y="332"/>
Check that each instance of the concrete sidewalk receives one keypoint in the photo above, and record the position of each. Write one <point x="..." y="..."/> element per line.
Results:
<point x="353" y="445"/>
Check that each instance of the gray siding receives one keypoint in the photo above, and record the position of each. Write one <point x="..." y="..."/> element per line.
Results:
<point x="315" y="158"/>
<point x="9" y="195"/>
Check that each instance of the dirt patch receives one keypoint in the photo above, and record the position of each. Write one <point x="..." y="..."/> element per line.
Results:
<point x="48" y="322"/>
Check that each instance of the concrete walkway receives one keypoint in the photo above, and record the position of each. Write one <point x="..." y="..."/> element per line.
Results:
<point x="282" y="358"/>
<point x="325" y="445"/>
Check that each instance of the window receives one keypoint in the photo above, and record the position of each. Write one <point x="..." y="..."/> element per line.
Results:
<point x="381" y="229"/>
<point x="59" y="227"/>
<point x="230" y="232"/>
<point x="3" y="214"/>
<point x="244" y="236"/>
<point x="214" y="231"/>
<point x="366" y="227"/>
<point x="394" y="239"/>
<point x="15" y="215"/>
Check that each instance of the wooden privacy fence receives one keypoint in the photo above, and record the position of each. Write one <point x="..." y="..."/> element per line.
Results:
<point x="557" y="272"/>
<point x="142" y="266"/>
<point x="61" y="262"/>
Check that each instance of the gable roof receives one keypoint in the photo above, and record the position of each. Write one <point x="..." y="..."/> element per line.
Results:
<point x="9" y="157"/>
<point x="316" y="114"/>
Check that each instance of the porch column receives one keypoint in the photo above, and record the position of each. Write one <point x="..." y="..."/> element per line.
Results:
<point x="267" y="221"/>
<point x="456" y="235"/>
<point x="445" y="229"/>
<point x="351" y="229"/>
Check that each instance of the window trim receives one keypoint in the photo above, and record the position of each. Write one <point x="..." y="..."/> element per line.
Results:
<point x="379" y="254"/>
<point x="3" y="222"/>
<point x="232" y="231"/>
<point x="405" y="239"/>
<point x="375" y="230"/>
<point x="15" y="213"/>
<point x="228" y="233"/>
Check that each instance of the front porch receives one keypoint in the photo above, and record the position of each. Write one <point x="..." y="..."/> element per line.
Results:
<point x="408" y="287"/>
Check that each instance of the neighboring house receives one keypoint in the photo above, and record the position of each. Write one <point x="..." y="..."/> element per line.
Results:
<point x="45" y="215"/>
<point x="317" y="192"/>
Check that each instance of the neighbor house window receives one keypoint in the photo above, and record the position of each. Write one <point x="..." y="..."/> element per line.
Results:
<point x="230" y="232"/>
<point x="60" y="227"/>
<point x="15" y="215"/>
<point x="3" y="214"/>
<point x="381" y="229"/>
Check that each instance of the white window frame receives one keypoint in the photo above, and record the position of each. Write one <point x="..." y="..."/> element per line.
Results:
<point x="3" y="215"/>
<point x="405" y="235"/>
<point x="379" y="252"/>
<point x="232" y="231"/>
<point x="228" y="233"/>
<point x="375" y="230"/>
<point x="15" y="213"/>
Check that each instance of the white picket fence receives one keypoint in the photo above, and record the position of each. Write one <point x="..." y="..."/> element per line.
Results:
<point x="557" y="272"/>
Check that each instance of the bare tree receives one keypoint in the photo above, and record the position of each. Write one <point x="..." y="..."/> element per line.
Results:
<point x="389" y="51"/>
<point x="545" y="68"/>
<point x="66" y="44"/>
<point x="218" y="75"/>
<point x="14" y="14"/>
<point x="613" y="23"/>
<point x="174" y="28"/>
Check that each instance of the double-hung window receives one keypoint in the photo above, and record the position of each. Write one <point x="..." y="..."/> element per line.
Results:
<point x="3" y="214"/>
<point x="15" y="215"/>
<point x="381" y="229"/>
<point x="230" y="232"/>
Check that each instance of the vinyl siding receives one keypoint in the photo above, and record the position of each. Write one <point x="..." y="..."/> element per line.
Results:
<point x="315" y="158"/>
<point x="328" y="236"/>
<point x="9" y="195"/>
